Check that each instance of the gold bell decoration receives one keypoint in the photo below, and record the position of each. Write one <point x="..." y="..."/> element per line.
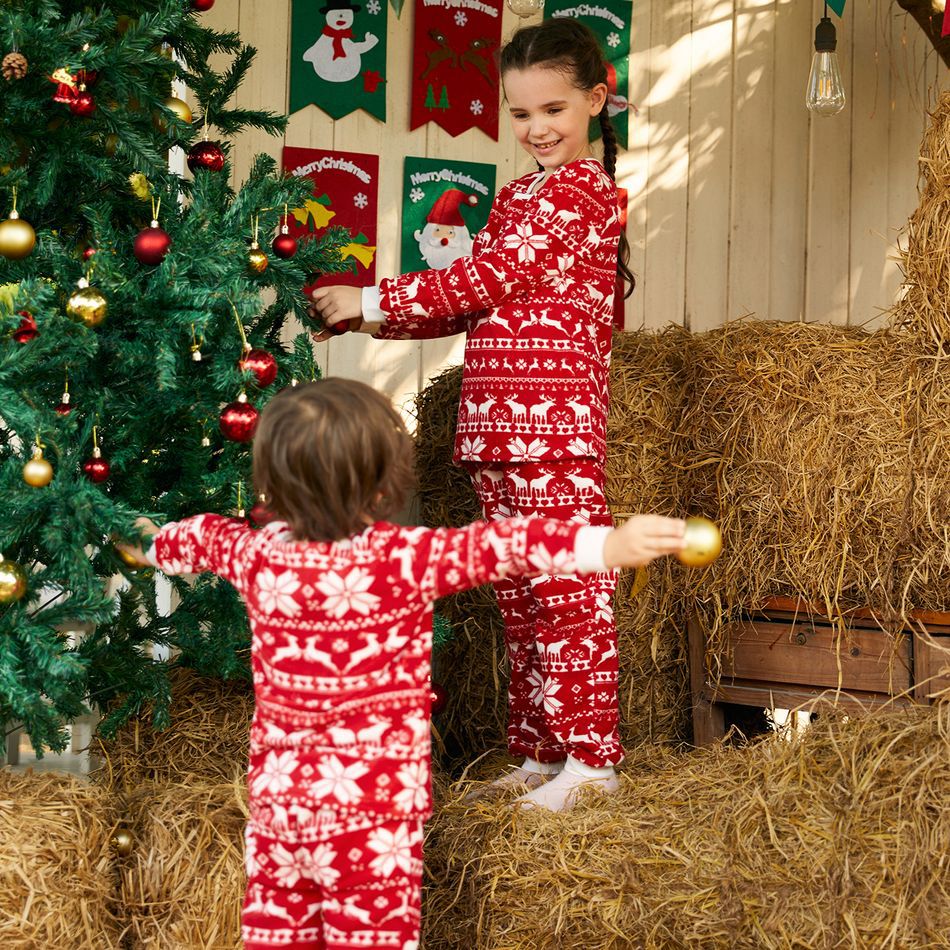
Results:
<point x="703" y="543"/>
<point x="17" y="237"/>
<point x="13" y="582"/>
<point x="38" y="472"/>
<point x="257" y="259"/>
<point x="87" y="304"/>
<point x="122" y="842"/>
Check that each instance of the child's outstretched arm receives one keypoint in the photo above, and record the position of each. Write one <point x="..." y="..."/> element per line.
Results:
<point x="642" y="538"/>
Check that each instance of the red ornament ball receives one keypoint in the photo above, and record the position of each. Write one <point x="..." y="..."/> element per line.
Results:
<point x="202" y="5"/>
<point x="96" y="469"/>
<point x="238" y="420"/>
<point x="206" y="155"/>
<point x="27" y="330"/>
<point x="284" y="245"/>
<point x="151" y="245"/>
<point x="83" y="104"/>
<point x="439" y="698"/>
<point x="88" y="252"/>
<point x="262" y="364"/>
<point x="63" y="408"/>
<point x="344" y="326"/>
<point x="260" y="514"/>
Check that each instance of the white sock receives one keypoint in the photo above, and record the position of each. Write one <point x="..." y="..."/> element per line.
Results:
<point x="541" y="768"/>
<point x="530" y="773"/>
<point x="561" y="793"/>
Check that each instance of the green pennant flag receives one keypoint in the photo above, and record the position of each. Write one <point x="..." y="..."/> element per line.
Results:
<point x="338" y="56"/>
<point x="837" y="6"/>
<point x="444" y="203"/>
<point x="610" y="22"/>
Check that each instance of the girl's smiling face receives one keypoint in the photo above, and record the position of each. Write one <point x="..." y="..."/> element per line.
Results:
<point x="550" y="115"/>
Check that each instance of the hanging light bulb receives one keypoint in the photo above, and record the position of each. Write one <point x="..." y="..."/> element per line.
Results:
<point x="825" y="93"/>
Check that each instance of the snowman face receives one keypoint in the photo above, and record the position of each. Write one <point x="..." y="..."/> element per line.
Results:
<point x="340" y="19"/>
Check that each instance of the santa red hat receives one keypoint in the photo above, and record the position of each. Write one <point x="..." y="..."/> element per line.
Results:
<point x="446" y="212"/>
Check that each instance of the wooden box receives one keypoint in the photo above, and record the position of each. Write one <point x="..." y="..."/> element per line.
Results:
<point x="788" y="654"/>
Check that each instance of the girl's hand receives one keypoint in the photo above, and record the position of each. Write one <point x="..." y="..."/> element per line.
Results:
<point x="335" y="305"/>
<point x="136" y="552"/>
<point x="642" y="538"/>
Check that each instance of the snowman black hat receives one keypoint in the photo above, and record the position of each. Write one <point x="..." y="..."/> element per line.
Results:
<point x="339" y="5"/>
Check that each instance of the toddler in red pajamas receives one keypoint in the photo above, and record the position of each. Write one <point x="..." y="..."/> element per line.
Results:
<point x="536" y="301"/>
<point x="340" y="607"/>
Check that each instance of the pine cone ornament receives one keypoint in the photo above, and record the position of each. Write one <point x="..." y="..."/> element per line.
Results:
<point x="14" y="66"/>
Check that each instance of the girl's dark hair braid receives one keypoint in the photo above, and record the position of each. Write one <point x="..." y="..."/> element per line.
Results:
<point x="566" y="44"/>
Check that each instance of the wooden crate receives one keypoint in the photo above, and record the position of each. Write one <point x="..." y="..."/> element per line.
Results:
<point x="788" y="654"/>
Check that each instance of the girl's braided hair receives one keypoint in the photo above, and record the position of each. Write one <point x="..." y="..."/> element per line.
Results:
<point x="567" y="45"/>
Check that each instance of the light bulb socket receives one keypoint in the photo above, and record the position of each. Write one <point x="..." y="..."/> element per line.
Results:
<point x="826" y="38"/>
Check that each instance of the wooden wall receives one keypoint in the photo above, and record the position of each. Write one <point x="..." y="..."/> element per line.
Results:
<point x="740" y="202"/>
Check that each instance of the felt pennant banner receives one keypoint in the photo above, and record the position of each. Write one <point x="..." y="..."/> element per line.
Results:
<point x="454" y="75"/>
<point x="345" y="194"/>
<point x="444" y="204"/>
<point x="837" y="6"/>
<point x="610" y="21"/>
<point x="338" y="56"/>
<point x="946" y="21"/>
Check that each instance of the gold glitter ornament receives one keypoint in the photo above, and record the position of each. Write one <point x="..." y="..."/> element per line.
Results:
<point x="87" y="304"/>
<point x="37" y="472"/>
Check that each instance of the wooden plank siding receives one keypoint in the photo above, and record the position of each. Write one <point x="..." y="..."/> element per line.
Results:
<point x="740" y="201"/>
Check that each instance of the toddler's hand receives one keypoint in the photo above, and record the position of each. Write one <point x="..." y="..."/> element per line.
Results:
<point x="642" y="538"/>
<point x="337" y="304"/>
<point x="136" y="552"/>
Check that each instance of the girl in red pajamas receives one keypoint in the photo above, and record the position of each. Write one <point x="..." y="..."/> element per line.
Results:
<point x="340" y="606"/>
<point x="536" y="300"/>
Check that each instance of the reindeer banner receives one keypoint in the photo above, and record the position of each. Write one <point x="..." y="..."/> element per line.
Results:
<point x="454" y="76"/>
<point x="338" y="56"/>
<point x="610" y="21"/>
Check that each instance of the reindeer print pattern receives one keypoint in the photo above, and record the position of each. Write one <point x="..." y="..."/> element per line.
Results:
<point x="559" y="631"/>
<point x="340" y="747"/>
<point x="539" y="324"/>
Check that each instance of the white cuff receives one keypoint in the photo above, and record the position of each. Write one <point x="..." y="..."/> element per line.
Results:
<point x="150" y="555"/>
<point x="369" y="302"/>
<point x="589" y="548"/>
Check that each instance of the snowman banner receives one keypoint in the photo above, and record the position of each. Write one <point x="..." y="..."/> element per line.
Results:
<point x="610" y="21"/>
<point x="345" y="194"/>
<point x="444" y="204"/>
<point x="454" y="74"/>
<point x="338" y="56"/>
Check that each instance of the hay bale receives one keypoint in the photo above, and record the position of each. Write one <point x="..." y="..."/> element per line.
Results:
<point x="646" y="403"/>
<point x="208" y="736"/>
<point x="837" y="839"/>
<point x="57" y="872"/>
<point x="183" y="884"/>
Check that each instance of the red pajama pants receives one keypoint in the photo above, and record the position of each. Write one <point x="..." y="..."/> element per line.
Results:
<point x="559" y="631"/>
<point x="361" y="889"/>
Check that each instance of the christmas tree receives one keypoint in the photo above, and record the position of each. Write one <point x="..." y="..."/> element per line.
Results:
<point x="135" y="349"/>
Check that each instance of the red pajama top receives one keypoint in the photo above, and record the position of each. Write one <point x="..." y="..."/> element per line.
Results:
<point x="536" y="299"/>
<point x="341" y="644"/>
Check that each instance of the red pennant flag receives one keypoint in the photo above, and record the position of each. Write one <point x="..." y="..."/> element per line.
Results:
<point x="454" y="75"/>
<point x="946" y="21"/>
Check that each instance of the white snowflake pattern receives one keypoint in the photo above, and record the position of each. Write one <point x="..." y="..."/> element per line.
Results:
<point x="613" y="40"/>
<point x="373" y="7"/>
<point x="339" y="780"/>
<point x="526" y="452"/>
<point x="360" y="200"/>
<point x="472" y="447"/>
<point x="274" y="776"/>
<point x="526" y="242"/>
<point x="543" y="560"/>
<point x="477" y="107"/>
<point x="534" y="680"/>
<point x="351" y="592"/>
<point x="461" y="18"/>
<point x="417" y="194"/>
<point x="276" y="592"/>
<point x="551" y="703"/>
<point x="414" y="794"/>
<point x="315" y="865"/>
<point x="393" y="850"/>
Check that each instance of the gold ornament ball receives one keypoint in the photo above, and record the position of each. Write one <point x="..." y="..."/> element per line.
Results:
<point x="110" y="143"/>
<point x="123" y="842"/>
<point x="88" y="305"/>
<point x="130" y="560"/>
<point x="703" y="543"/>
<point x="17" y="237"/>
<point x="179" y="107"/>
<point x="12" y="582"/>
<point x="257" y="260"/>
<point x="37" y="472"/>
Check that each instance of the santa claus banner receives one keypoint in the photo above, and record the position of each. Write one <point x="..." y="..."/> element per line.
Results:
<point x="443" y="205"/>
<point x="345" y="194"/>
<point x="610" y="21"/>
<point x="338" y="56"/>
<point x="454" y="75"/>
